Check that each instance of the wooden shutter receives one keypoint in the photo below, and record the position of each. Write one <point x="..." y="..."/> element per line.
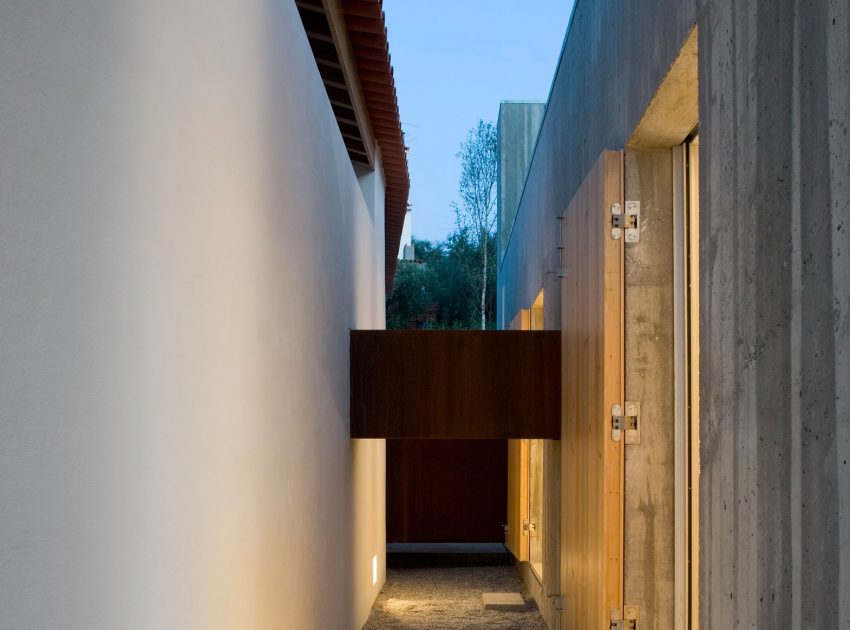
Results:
<point x="592" y="381"/>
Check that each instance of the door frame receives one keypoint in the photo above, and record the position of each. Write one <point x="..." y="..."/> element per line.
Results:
<point x="686" y="370"/>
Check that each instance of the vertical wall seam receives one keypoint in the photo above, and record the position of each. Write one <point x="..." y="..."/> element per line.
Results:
<point x="796" y="338"/>
<point x="838" y="95"/>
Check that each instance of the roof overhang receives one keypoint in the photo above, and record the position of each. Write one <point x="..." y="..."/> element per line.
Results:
<point x="349" y="42"/>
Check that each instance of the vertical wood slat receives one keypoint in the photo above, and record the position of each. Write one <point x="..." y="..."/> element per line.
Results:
<point x="517" y="498"/>
<point x="446" y="490"/>
<point x="592" y="373"/>
<point x="518" y="472"/>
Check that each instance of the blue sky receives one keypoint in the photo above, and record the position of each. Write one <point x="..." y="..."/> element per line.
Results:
<point x="454" y="61"/>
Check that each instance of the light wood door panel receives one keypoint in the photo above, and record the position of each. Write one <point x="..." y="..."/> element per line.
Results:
<point x="592" y="382"/>
<point x="516" y="541"/>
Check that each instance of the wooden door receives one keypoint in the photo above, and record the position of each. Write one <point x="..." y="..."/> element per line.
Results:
<point x="517" y="534"/>
<point x="516" y="538"/>
<point x="441" y="491"/>
<point x="592" y="382"/>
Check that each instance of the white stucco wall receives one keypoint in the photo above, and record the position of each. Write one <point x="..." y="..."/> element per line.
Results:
<point x="183" y="249"/>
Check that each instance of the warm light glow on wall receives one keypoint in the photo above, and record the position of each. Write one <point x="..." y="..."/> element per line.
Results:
<point x="374" y="570"/>
<point x="537" y="313"/>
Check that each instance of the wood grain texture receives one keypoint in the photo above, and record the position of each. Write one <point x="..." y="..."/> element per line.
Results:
<point x="544" y="314"/>
<point x="592" y="347"/>
<point x="446" y="491"/>
<point x="466" y="384"/>
<point x="517" y="541"/>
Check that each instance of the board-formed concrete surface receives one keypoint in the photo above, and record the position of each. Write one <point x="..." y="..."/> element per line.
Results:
<point x="507" y="602"/>
<point x="774" y="112"/>
<point x="450" y="598"/>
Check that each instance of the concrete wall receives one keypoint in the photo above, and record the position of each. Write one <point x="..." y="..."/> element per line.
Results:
<point x="609" y="71"/>
<point x="775" y="291"/>
<point x="774" y="93"/>
<point x="183" y="248"/>
<point x="517" y="127"/>
<point x="649" y="518"/>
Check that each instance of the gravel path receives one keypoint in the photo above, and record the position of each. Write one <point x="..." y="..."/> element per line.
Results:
<point x="450" y="599"/>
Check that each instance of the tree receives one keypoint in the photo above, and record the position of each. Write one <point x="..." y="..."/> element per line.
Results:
<point x="476" y="214"/>
<point x="449" y="284"/>
<point x="438" y="290"/>
<point x="411" y="296"/>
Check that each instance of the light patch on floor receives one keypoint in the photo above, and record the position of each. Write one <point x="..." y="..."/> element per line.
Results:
<point x="451" y="598"/>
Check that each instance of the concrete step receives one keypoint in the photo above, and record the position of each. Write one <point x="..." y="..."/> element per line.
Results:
<point x="504" y="602"/>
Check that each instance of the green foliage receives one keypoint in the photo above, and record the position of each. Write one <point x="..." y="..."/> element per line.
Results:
<point x="452" y="283"/>
<point x="440" y="290"/>
<point x="476" y="215"/>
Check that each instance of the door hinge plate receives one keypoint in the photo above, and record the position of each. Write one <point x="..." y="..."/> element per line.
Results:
<point x="631" y="614"/>
<point x="559" y="601"/>
<point x="628" y="221"/>
<point x="628" y="422"/>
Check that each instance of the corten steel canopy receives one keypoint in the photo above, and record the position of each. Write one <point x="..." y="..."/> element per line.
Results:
<point x="455" y="384"/>
<point x="367" y="38"/>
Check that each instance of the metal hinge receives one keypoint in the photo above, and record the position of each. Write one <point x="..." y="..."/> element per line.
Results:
<point x="628" y="422"/>
<point x="559" y="601"/>
<point x="628" y="221"/>
<point x="631" y="612"/>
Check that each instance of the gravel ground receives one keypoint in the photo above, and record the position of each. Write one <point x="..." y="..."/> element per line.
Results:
<point x="450" y="599"/>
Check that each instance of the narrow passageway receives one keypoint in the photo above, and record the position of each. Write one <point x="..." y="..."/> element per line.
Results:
<point x="450" y="598"/>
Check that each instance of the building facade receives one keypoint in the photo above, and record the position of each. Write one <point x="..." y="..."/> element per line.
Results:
<point x="716" y="132"/>
<point x="191" y="221"/>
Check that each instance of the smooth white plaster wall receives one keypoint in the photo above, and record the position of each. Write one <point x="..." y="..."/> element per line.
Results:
<point x="183" y="249"/>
